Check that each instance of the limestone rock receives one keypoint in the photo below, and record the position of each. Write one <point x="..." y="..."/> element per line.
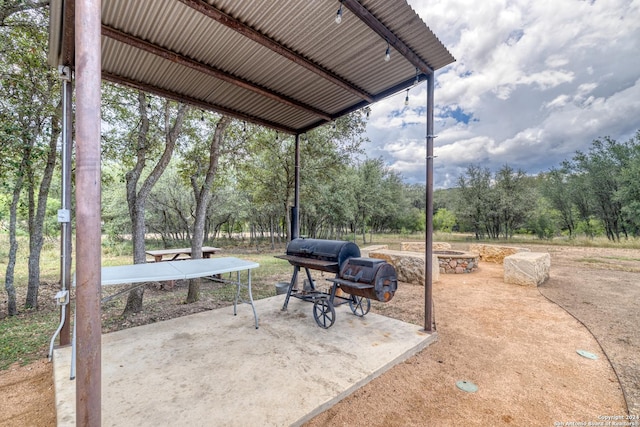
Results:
<point x="495" y="253"/>
<point x="410" y="266"/>
<point x="364" y="252"/>
<point x="420" y="246"/>
<point x="527" y="268"/>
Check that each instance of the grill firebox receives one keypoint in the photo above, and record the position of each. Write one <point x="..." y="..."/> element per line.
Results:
<point x="368" y="277"/>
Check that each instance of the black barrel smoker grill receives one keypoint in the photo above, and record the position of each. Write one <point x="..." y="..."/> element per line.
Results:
<point x="359" y="279"/>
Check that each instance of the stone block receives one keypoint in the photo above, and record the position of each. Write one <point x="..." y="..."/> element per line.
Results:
<point x="527" y="268"/>
<point x="410" y="266"/>
<point x="495" y="253"/>
<point x="364" y="252"/>
<point x="420" y="246"/>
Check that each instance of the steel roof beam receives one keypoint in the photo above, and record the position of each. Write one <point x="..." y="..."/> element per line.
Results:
<point x="372" y="22"/>
<point x="254" y="35"/>
<point x="209" y="70"/>
<point x="114" y="78"/>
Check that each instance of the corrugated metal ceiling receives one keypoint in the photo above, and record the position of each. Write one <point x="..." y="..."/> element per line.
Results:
<point x="296" y="67"/>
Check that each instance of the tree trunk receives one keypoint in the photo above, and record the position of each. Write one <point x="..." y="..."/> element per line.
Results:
<point x="12" y="308"/>
<point x="36" y="226"/>
<point x="137" y="199"/>
<point x="203" y="197"/>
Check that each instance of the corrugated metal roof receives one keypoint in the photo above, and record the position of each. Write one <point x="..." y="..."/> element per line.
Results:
<point x="307" y="71"/>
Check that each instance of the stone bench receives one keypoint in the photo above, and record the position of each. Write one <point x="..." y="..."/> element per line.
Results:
<point x="420" y="246"/>
<point x="410" y="266"/>
<point x="364" y="252"/>
<point x="527" y="268"/>
<point x="494" y="253"/>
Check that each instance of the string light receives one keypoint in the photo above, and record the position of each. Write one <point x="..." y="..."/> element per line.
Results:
<point x="406" y="100"/>
<point x="339" y="14"/>
<point x="417" y="78"/>
<point x="387" y="55"/>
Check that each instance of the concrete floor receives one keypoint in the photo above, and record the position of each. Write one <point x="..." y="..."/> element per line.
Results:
<point x="214" y="369"/>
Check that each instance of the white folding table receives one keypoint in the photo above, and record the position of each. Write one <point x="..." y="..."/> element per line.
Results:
<point x="139" y="274"/>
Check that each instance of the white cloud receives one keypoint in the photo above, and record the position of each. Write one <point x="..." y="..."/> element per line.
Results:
<point x="539" y="80"/>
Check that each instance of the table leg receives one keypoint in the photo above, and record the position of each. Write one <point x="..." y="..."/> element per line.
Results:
<point x="235" y="301"/>
<point x="255" y="314"/>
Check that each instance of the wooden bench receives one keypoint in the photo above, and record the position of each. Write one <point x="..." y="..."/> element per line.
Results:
<point x="180" y="253"/>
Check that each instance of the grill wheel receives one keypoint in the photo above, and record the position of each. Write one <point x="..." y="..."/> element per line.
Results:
<point x="359" y="305"/>
<point x="324" y="313"/>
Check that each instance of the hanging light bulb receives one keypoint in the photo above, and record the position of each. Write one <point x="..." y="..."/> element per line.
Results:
<point x="202" y="116"/>
<point x="417" y="78"/>
<point x="406" y="99"/>
<point x="387" y="55"/>
<point x="339" y="14"/>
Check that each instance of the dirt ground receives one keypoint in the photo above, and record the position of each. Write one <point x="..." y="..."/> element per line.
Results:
<point x="512" y="342"/>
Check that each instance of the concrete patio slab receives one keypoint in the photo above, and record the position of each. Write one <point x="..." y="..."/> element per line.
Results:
<point x="216" y="369"/>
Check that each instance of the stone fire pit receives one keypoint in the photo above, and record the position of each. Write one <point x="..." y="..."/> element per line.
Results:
<point x="457" y="262"/>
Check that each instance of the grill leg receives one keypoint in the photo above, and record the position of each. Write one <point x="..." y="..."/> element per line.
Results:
<point x="313" y="286"/>
<point x="294" y="279"/>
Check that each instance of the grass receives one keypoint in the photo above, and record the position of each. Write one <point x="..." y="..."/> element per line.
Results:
<point x="25" y="337"/>
<point x="622" y="258"/>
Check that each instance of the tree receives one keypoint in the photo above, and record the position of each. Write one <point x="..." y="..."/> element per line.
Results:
<point x="149" y="137"/>
<point x="444" y="220"/>
<point x="267" y="176"/>
<point x="474" y="204"/>
<point x="202" y="188"/>
<point x="556" y="189"/>
<point x="30" y="114"/>
<point x="12" y="12"/>
<point x="601" y="167"/>
<point x="628" y="194"/>
<point x="514" y="199"/>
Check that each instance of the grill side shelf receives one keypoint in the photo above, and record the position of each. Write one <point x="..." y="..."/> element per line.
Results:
<point x="314" y="264"/>
<point x="351" y="284"/>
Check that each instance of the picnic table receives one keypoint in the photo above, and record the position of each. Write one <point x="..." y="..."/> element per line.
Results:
<point x="175" y="254"/>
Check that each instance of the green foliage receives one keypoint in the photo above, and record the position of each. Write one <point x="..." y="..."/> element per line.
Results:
<point x="444" y="220"/>
<point x="413" y="221"/>
<point x="604" y="184"/>
<point x="543" y="221"/>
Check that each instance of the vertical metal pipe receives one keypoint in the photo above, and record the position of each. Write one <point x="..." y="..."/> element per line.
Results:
<point x="65" y="231"/>
<point x="295" y="212"/>
<point x="88" y="254"/>
<point x="428" y="296"/>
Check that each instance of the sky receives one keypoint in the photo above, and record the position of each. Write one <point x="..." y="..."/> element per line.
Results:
<point x="534" y="81"/>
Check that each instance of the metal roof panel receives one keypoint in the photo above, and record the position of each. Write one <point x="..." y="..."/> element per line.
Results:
<point x="301" y="64"/>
